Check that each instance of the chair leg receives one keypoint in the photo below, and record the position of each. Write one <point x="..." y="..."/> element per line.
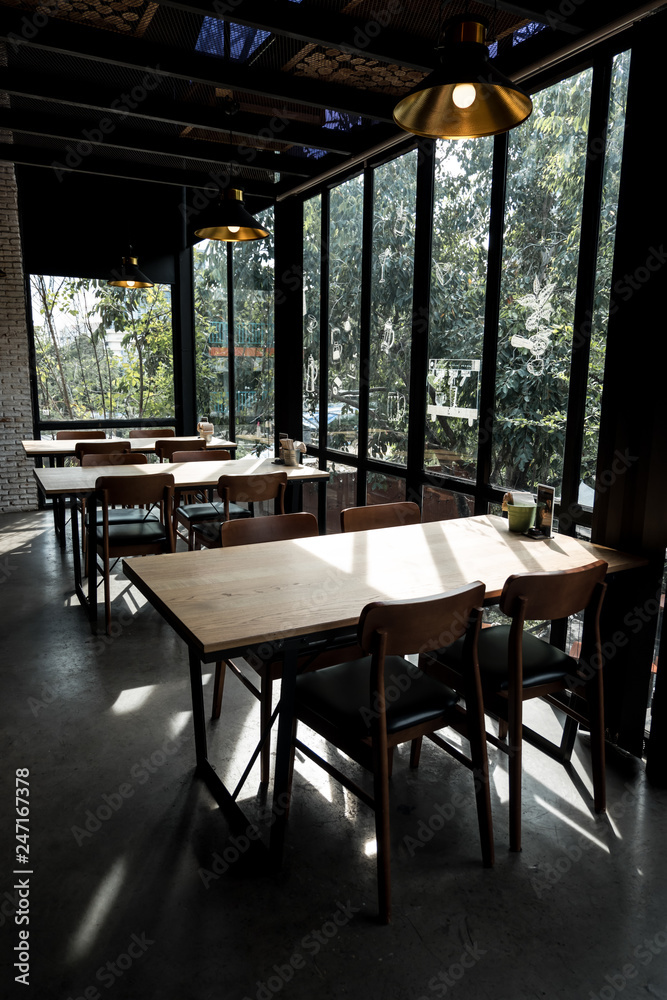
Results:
<point x="382" y="835"/>
<point x="595" y="698"/>
<point x="107" y="595"/>
<point x="415" y="752"/>
<point x="502" y="729"/>
<point x="266" y="702"/>
<point x="218" y="687"/>
<point x="515" y="729"/>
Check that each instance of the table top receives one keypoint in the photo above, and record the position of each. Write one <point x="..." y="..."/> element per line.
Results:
<point x="79" y="481"/>
<point x="65" y="449"/>
<point x="220" y="600"/>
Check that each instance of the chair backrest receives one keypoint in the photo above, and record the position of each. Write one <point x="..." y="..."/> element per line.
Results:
<point x="553" y="595"/>
<point x="99" y="448"/>
<point x="79" y="435"/>
<point x="165" y="449"/>
<point x="115" y="458"/>
<point x="152" y="432"/>
<point x="138" y="491"/>
<point x="421" y="624"/>
<point x="380" y="515"/>
<point x="202" y="455"/>
<point x="249" y="530"/>
<point x="253" y="489"/>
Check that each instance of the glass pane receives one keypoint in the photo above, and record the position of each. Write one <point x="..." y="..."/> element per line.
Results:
<point x="212" y="334"/>
<point x="458" y="286"/>
<point x="341" y="493"/>
<point x="345" y="238"/>
<point x="547" y="159"/>
<point x="442" y="505"/>
<point x="253" y="266"/>
<point x="612" y="175"/>
<point x="384" y="489"/>
<point x="395" y="191"/>
<point x="312" y="270"/>
<point x="102" y="352"/>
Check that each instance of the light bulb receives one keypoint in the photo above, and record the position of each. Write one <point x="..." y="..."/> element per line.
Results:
<point x="464" y="95"/>
<point x="233" y="229"/>
<point x="130" y="284"/>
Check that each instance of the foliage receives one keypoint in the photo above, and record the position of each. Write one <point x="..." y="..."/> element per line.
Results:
<point x="102" y="351"/>
<point x="547" y="160"/>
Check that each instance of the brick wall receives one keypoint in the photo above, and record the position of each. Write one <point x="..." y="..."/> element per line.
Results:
<point x="17" y="485"/>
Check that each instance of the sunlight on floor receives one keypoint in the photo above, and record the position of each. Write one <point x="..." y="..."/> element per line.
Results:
<point x="100" y="906"/>
<point x="178" y="722"/>
<point x="570" y="823"/>
<point x="131" y="699"/>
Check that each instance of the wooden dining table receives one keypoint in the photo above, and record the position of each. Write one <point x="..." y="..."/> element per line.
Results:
<point x="57" y="451"/>
<point x="308" y="591"/>
<point x="78" y="482"/>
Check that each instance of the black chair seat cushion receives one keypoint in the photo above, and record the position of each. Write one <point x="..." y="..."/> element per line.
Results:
<point x="124" y="515"/>
<point x="194" y="512"/>
<point x="542" y="662"/>
<point x="341" y="695"/>
<point x="144" y="533"/>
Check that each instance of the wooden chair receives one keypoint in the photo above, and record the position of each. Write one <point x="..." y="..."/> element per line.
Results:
<point x="164" y="449"/>
<point x="273" y="529"/>
<point x="107" y="453"/>
<point x="152" y="432"/>
<point x="515" y="665"/>
<point x="240" y="489"/>
<point x="79" y="435"/>
<point x="379" y="515"/>
<point x="99" y="448"/>
<point x="192" y="508"/>
<point x="114" y="458"/>
<point x="148" y="536"/>
<point x="370" y="705"/>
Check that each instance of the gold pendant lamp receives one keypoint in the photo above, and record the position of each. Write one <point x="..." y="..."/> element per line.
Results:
<point x="130" y="276"/>
<point x="229" y="220"/>
<point x="465" y="97"/>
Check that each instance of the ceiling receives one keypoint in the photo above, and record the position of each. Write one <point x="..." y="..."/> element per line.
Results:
<point x="190" y="93"/>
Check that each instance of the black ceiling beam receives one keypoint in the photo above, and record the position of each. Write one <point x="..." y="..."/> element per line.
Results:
<point x="24" y="83"/>
<point x="76" y="132"/>
<point x="35" y="156"/>
<point x="158" y="61"/>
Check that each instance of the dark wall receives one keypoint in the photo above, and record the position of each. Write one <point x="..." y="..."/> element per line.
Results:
<point x="80" y="225"/>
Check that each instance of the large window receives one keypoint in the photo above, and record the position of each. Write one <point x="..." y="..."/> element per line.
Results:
<point x="391" y="307"/>
<point x="545" y="181"/>
<point x="253" y="269"/>
<point x="312" y="249"/>
<point x="212" y="334"/>
<point x="525" y="256"/>
<point x="602" y="302"/>
<point x="458" y="287"/>
<point x="345" y="243"/>
<point x="102" y="352"/>
<point x="235" y="339"/>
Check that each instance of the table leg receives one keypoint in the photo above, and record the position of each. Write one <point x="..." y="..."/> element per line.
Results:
<point x="281" y="783"/>
<point x="235" y="816"/>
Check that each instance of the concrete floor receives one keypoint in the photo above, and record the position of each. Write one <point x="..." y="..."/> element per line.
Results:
<point x="129" y="896"/>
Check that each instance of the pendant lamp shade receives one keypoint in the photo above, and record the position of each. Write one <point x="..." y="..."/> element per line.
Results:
<point x="130" y="276"/>
<point x="465" y="97"/>
<point x="230" y="220"/>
